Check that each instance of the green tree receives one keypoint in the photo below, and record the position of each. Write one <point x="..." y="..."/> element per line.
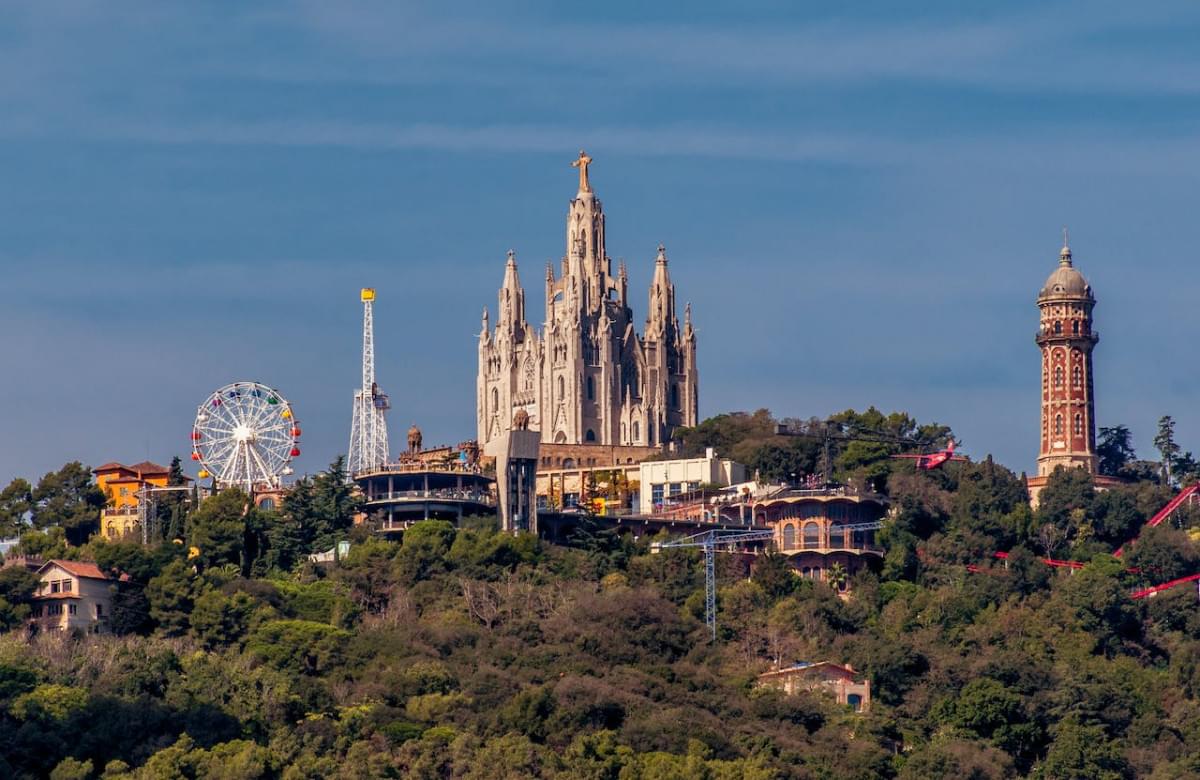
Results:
<point x="1114" y="450"/>
<point x="218" y="528"/>
<point x="219" y="620"/>
<point x="171" y="595"/>
<point x="68" y="498"/>
<point x="1164" y="442"/>
<point x="16" y="502"/>
<point x="17" y="586"/>
<point x="423" y="554"/>
<point x="298" y="646"/>
<point x="1081" y="752"/>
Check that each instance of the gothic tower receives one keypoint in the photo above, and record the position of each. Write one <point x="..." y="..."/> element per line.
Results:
<point x="588" y="377"/>
<point x="1066" y="340"/>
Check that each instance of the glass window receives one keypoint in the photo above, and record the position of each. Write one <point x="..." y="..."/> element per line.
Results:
<point x="55" y="586"/>
<point x="656" y="493"/>
<point x="812" y="535"/>
<point x="837" y="536"/>
<point x="66" y="586"/>
<point x="71" y="608"/>
<point x="693" y="487"/>
<point x="676" y="488"/>
<point x="789" y="537"/>
<point x="570" y="499"/>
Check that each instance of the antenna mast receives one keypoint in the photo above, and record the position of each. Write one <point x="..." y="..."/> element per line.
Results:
<point x="368" y="428"/>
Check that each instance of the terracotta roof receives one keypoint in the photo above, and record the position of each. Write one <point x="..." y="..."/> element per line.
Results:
<point x="149" y="467"/>
<point x="59" y="595"/>
<point x="78" y="568"/>
<point x="808" y="667"/>
<point x="111" y="466"/>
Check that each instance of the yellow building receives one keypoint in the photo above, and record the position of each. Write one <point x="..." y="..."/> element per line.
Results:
<point x="120" y="485"/>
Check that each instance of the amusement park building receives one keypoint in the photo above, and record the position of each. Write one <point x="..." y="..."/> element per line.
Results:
<point x="588" y="378"/>
<point x="440" y="483"/>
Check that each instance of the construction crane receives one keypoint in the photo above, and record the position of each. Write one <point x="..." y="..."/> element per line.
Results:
<point x="719" y="540"/>
<point x="368" y="428"/>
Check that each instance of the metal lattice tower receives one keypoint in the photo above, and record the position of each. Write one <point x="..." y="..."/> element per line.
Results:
<point x="368" y="428"/>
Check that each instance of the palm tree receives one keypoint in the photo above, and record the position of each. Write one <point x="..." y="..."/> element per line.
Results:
<point x="836" y="576"/>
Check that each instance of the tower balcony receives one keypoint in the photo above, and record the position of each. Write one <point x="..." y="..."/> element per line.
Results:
<point x="1044" y="337"/>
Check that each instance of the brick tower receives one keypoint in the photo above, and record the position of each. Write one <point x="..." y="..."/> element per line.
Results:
<point x="1066" y="340"/>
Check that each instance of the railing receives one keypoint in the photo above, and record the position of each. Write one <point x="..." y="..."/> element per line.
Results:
<point x="417" y="467"/>
<point x="452" y="494"/>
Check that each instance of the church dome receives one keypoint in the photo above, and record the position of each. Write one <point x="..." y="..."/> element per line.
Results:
<point x="1065" y="280"/>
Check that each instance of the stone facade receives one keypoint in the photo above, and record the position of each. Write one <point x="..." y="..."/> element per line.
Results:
<point x="588" y="377"/>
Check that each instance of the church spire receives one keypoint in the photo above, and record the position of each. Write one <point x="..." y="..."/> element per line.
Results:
<point x="662" y="297"/>
<point x="511" y="316"/>
<point x="1064" y="256"/>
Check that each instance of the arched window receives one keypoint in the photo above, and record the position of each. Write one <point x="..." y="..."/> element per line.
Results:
<point x="1058" y="377"/>
<point x="837" y="536"/>
<point x="569" y="463"/>
<point x="495" y="400"/>
<point x="812" y="536"/>
<point x="1057" y="327"/>
<point x="674" y="396"/>
<point x="266" y="503"/>
<point x="1077" y="376"/>
<point x="1078" y="424"/>
<point x="562" y="388"/>
<point x="590" y="436"/>
<point x="789" y="537"/>
<point x="1058" y="425"/>
<point x="1075" y="327"/>
<point x="637" y="431"/>
<point x="591" y="389"/>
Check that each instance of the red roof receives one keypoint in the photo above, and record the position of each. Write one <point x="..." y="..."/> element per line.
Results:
<point x="77" y="568"/>
<point x="111" y="466"/>
<point x="149" y="467"/>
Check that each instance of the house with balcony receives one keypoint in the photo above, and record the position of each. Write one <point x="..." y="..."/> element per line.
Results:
<point x="73" y="596"/>
<point x="839" y="681"/>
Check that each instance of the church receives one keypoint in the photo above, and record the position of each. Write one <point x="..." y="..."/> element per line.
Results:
<point x="588" y="378"/>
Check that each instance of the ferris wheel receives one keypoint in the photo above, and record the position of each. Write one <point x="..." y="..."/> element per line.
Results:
<point x="245" y="435"/>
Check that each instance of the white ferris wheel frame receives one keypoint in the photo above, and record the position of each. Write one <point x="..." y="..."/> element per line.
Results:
<point x="242" y="439"/>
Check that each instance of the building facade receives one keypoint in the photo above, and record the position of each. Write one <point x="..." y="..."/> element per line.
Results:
<point x="827" y="534"/>
<point x="661" y="481"/>
<point x="840" y="681"/>
<point x="73" y="596"/>
<point x="1066" y="339"/>
<point x="588" y="377"/>
<point x="123" y="485"/>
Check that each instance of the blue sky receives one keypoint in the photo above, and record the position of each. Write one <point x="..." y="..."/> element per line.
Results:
<point x="861" y="204"/>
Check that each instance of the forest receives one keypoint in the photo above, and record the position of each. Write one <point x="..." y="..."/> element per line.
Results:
<point x="466" y="652"/>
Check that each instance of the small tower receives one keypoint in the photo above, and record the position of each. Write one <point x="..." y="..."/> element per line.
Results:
<point x="1066" y="340"/>
<point x="368" y="426"/>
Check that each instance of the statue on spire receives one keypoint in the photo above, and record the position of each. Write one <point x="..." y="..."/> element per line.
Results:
<point x="582" y="164"/>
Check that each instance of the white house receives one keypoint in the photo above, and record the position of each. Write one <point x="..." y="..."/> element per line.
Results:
<point x="74" y="595"/>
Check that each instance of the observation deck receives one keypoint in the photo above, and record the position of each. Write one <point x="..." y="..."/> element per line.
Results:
<point x="399" y="494"/>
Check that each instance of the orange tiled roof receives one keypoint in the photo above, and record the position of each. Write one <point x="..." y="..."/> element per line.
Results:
<point x="111" y="466"/>
<point x="149" y="467"/>
<point x="78" y="568"/>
